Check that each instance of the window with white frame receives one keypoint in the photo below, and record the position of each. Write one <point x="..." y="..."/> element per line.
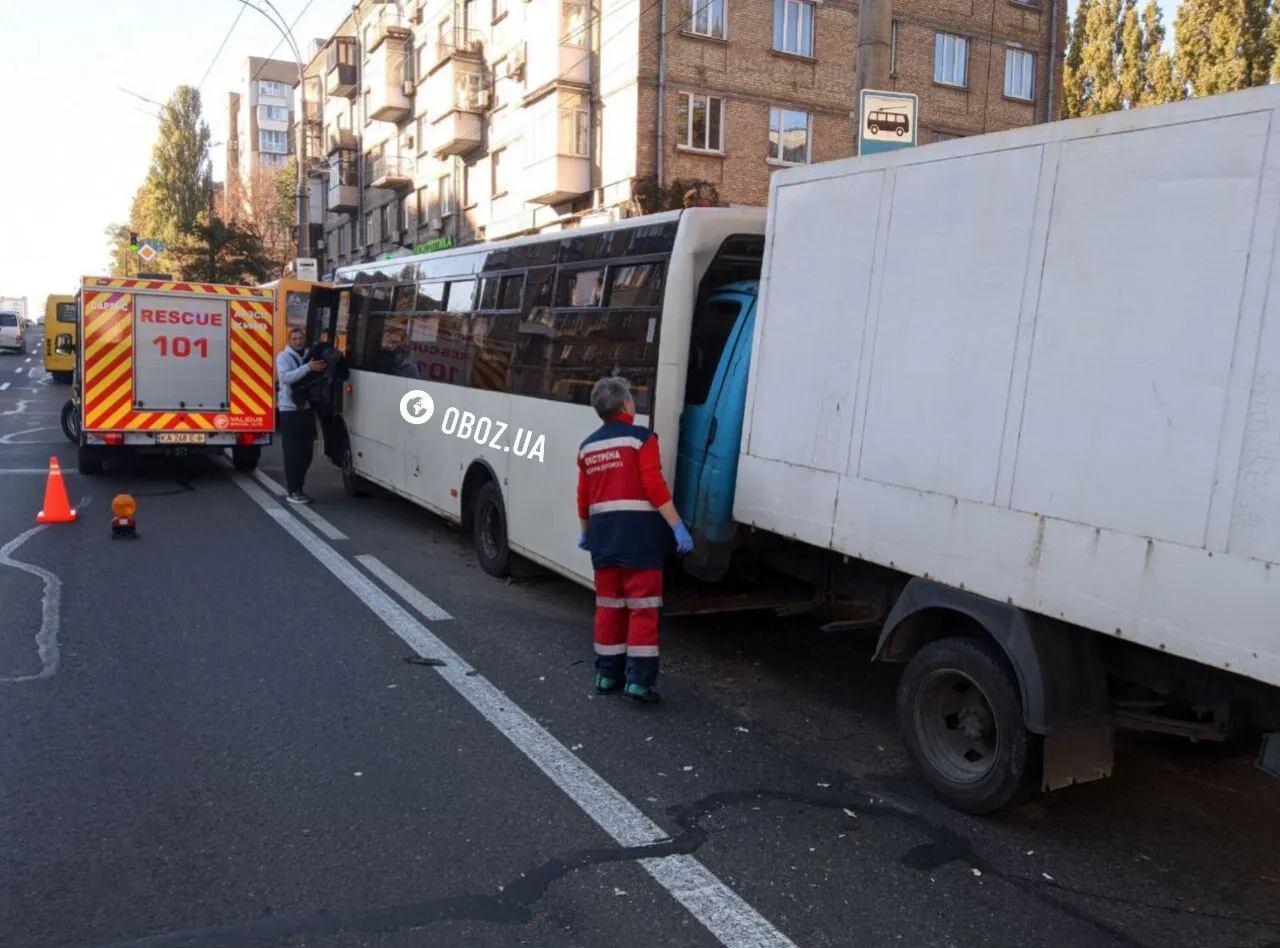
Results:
<point x="1019" y="74"/>
<point x="951" y="60"/>
<point x="574" y="132"/>
<point x="573" y="23"/>
<point x="705" y="18"/>
<point x="273" y="141"/>
<point x="424" y="206"/>
<point x="273" y="113"/>
<point x="793" y="27"/>
<point x="789" y="133"/>
<point x="498" y="162"/>
<point x="444" y="194"/>
<point x="702" y="122"/>
<point x="277" y="90"/>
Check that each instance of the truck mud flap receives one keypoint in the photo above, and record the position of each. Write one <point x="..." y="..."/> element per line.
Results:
<point x="1269" y="755"/>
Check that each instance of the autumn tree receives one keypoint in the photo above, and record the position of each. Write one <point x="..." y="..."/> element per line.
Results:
<point x="262" y="202"/>
<point x="179" y="181"/>
<point x="1224" y="45"/>
<point x="217" y="251"/>
<point x="1116" y="60"/>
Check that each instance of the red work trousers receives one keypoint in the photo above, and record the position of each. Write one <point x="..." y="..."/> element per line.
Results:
<point x="626" y="631"/>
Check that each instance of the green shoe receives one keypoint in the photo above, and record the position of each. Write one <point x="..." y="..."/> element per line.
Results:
<point x="606" y="686"/>
<point x="642" y="694"/>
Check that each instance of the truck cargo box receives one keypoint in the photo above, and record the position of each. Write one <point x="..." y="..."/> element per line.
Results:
<point x="1041" y="366"/>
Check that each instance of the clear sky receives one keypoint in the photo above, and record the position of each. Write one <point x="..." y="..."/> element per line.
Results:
<point x="75" y="148"/>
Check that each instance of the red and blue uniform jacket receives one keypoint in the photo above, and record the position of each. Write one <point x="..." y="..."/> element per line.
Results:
<point x="620" y="488"/>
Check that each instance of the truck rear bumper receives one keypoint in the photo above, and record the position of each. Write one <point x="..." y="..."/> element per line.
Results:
<point x="169" y="440"/>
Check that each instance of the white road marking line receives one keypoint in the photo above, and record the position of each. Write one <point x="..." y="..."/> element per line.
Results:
<point x="269" y="483"/>
<point x="403" y="588"/>
<point x="31" y="470"/>
<point x="50" y="611"/>
<point x="724" y="913"/>
<point x="8" y="439"/>
<point x="22" y="405"/>
<point x="3" y="386"/>
<point x="313" y="518"/>
<point x="18" y="370"/>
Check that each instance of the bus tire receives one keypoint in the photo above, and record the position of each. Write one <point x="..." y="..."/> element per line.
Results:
<point x="489" y="531"/>
<point x="244" y="457"/>
<point x="960" y="712"/>
<point x="89" y="461"/>
<point x="352" y="483"/>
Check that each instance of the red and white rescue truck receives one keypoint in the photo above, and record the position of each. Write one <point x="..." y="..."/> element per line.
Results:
<point x="173" y="368"/>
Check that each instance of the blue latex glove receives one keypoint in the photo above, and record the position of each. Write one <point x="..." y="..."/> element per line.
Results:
<point x="582" y="542"/>
<point x="684" y="542"/>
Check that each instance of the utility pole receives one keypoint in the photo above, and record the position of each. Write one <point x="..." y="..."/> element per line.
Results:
<point x="875" y="34"/>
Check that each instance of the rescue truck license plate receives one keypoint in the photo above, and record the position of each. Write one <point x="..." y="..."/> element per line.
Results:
<point x="180" y="437"/>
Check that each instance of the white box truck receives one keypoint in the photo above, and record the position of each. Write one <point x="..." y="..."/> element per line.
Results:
<point x="1020" y="395"/>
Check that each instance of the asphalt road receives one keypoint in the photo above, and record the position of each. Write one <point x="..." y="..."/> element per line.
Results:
<point x="211" y="736"/>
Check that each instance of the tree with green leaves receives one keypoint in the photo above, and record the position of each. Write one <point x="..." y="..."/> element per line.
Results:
<point x="1116" y="60"/>
<point x="216" y="251"/>
<point x="180" y="178"/>
<point x="1224" y="45"/>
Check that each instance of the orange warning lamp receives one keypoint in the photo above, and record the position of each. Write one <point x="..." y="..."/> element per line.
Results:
<point x="123" y="507"/>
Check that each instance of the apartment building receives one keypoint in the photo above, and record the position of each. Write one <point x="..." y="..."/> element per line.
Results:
<point x="259" y="121"/>
<point x="447" y="121"/>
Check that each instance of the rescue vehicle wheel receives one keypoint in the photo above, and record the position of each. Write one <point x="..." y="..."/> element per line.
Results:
<point x="489" y="530"/>
<point x="62" y="378"/>
<point x="244" y="457"/>
<point x="960" y="712"/>
<point x="71" y="422"/>
<point x="90" y="462"/>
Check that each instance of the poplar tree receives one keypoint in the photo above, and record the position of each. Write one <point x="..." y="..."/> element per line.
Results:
<point x="1224" y="45"/>
<point x="179" y="182"/>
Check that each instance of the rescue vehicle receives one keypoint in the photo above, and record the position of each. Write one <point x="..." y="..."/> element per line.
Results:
<point x="170" y="367"/>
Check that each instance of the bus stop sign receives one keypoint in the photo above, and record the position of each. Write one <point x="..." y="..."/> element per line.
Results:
<point x="886" y="121"/>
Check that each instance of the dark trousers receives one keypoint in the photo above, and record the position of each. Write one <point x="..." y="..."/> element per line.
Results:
<point x="298" y="432"/>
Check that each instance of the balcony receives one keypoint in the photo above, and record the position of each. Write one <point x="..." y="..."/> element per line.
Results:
<point x="461" y="44"/>
<point x="391" y="172"/>
<point x="343" y="197"/>
<point x="340" y="139"/>
<point x="456" y="134"/>
<point x="387" y="79"/>
<point x="340" y="67"/>
<point x="456" y="99"/>
<point x="556" y="45"/>
<point x="557" y="179"/>
<point x="384" y="22"/>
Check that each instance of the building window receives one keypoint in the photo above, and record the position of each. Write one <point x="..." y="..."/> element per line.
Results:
<point x="499" y="171"/>
<point x="893" y="47"/>
<point x="499" y="9"/>
<point x="424" y="128"/>
<point x="702" y="122"/>
<point x="793" y="27"/>
<point x="275" y="142"/>
<point x="444" y="193"/>
<point x="424" y="207"/>
<point x="573" y="23"/>
<point x="1019" y="74"/>
<point x="789" y="136"/>
<point x="277" y="90"/>
<point x="469" y="186"/>
<point x="706" y="18"/>
<point x="273" y="113"/>
<point x="368" y="227"/>
<point x="575" y="136"/>
<point x="951" y="60"/>
<point x="402" y="215"/>
<point x="384" y="221"/>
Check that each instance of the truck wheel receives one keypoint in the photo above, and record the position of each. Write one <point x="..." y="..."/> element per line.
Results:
<point x="90" y="462"/>
<point x="62" y="378"/>
<point x="71" y="422"/>
<point x="244" y="457"/>
<point x="489" y="530"/>
<point x="960" y="712"/>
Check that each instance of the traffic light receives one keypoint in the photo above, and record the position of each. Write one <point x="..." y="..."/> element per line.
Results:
<point x="133" y="241"/>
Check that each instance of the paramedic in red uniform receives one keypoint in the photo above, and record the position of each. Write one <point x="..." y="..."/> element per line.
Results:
<point x="626" y="513"/>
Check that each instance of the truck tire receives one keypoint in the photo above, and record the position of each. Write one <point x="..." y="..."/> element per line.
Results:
<point x="489" y="531"/>
<point x="71" y="422"/>
<point x="960" y="711"/>
<point x="89" y="461"/>
<point x="244" y="457"/>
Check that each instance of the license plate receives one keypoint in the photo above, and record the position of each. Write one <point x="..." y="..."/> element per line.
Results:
<point x="180" y="437"/>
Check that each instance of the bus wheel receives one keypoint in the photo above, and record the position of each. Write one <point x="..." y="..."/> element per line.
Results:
<point x="489" y="529"/>
<point x="71" y="422"/>
<point x="244" y="457"/>
<point x="352" y="483"/>
<point x="873" y="128"/>
<point x="960" y="712"/>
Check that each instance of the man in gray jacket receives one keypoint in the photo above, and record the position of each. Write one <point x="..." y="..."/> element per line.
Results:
<point x="297" y="421"/>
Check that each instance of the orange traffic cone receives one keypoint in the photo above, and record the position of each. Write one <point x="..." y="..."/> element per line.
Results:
<point x="57" y="509"/>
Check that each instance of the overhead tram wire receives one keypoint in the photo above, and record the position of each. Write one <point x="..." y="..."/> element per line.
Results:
<point x="221" y="47"/>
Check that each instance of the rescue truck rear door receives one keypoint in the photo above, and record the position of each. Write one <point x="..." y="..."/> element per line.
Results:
<point x="180" y="352"/>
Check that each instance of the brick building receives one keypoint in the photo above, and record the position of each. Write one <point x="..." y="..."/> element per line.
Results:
<point x="448" y="121"/>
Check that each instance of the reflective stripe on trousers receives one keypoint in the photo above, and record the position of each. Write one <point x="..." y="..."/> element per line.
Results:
<point x="626" y="623"/>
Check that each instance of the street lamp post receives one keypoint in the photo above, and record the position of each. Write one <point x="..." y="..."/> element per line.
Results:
<point x="304" y="237"/>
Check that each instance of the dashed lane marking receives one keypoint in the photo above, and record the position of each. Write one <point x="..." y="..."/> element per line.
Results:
<point x="725" y="914"/>
<point x="402" y="588"/>
<point x="306" y="513"/>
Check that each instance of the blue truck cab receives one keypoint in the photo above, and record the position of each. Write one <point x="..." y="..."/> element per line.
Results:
<point x="711" y="424"/>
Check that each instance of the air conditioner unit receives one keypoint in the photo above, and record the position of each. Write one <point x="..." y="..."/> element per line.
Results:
<point x="407" y="87"/>
<point x="415" y="15"/>
<point x="482" y="98"/>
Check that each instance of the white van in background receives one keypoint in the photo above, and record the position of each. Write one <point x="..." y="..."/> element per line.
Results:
<point x="12" y="334"/>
